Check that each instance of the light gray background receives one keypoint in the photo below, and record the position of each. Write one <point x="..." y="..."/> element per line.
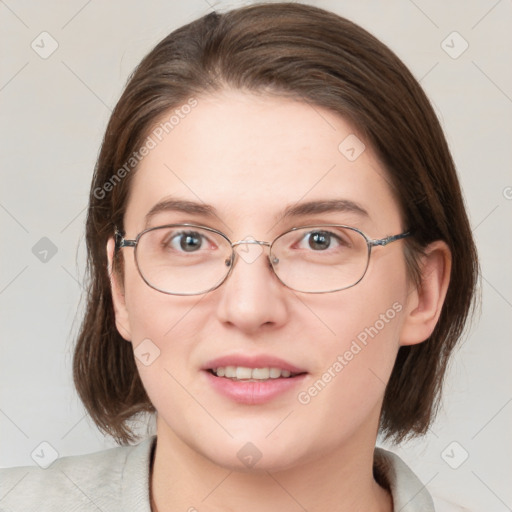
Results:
<point x="54" y="112"/>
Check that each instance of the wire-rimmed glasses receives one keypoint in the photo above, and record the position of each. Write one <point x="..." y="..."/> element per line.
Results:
<point x="190" y="259"/>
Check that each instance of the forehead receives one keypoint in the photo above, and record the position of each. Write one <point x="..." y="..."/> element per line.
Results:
<point x="252" y="156"/>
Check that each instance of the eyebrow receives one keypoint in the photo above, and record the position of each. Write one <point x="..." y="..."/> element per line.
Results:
<point x="170" y="204"/>
<point x="324" y="206"/>
<point x="291" y="211"/>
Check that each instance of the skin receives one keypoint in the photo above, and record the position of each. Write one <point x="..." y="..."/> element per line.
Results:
<point x="250" y="156"/>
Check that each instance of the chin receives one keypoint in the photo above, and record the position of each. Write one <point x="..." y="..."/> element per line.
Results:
<point x="260" y="455"/>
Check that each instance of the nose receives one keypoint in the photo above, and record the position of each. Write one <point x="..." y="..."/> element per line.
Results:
<point x="252" y="298"/>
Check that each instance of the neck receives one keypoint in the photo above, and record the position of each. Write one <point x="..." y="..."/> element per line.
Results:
<point x="341" y="480"/>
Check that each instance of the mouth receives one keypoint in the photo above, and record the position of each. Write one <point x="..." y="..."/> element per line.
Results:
<point x="247" y="374"/>
<point x="252" y="380"/>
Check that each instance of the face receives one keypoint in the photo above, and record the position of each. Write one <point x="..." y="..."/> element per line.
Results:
<point x="250" y="157"/>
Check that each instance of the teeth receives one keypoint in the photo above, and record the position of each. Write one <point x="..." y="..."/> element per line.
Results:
<point x="244" y="373"/>
<point x="230" y="372"/>
<point x="260" y="373"/>
<point x="275" y="373"/>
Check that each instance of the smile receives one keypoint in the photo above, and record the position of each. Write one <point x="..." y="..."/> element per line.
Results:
<point x="254" y="374"/>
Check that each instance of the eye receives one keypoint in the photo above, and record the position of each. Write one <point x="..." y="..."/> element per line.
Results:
<point x="187" y="241"/>
<point x="323" y="240"/>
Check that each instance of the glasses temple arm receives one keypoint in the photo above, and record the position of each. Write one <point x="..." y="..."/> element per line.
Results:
<point x="389" y="239"/>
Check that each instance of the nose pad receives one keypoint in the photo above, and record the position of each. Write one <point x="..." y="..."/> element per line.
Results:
<point x="250" y="250"/>
<point x="273" y="260"/>
<point x="253" y="297"/>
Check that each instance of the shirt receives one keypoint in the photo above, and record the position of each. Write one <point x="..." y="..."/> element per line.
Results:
<point x="117" y="480"/>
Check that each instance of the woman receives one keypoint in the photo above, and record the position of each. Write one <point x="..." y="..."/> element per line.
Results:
<point x="280" y="267"/>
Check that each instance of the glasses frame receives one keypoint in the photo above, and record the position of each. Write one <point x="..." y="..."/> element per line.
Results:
<point x="121" y="242"/>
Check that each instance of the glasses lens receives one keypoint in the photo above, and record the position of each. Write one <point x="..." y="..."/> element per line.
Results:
<point x="184" y="260"/>
<point x="320" y="259"/>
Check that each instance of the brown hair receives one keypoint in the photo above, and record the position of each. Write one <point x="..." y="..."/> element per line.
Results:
<point x="312" y="55"/>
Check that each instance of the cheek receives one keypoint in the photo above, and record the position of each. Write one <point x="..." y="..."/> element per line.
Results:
<point x="358" y="351"/>
<point x="368" y="315"/>
<point x="349" y="384"/>
<point x="163" y="328"/>
<point x="153" y="314"/>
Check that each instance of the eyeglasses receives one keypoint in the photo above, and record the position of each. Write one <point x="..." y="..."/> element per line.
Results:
<point x="187" y="259"/>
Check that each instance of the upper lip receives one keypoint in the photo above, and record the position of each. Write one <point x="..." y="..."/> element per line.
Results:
<point x="252" y="361"/>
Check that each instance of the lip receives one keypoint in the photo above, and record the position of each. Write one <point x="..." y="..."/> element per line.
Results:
<point x="252" y="392"/>
<point x="255" y="361"/>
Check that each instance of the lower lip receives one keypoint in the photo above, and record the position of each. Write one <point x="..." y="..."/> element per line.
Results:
<point x="253" y="393"/>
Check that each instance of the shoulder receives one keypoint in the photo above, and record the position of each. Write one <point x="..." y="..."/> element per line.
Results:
<point x="409" y="493"/>
<point x="81" y="482"/>
<point x="442" y="505"/>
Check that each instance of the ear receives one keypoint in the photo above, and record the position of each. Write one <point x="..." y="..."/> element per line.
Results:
<point x="425" y="302"/>
<point x="118" y="298"/>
